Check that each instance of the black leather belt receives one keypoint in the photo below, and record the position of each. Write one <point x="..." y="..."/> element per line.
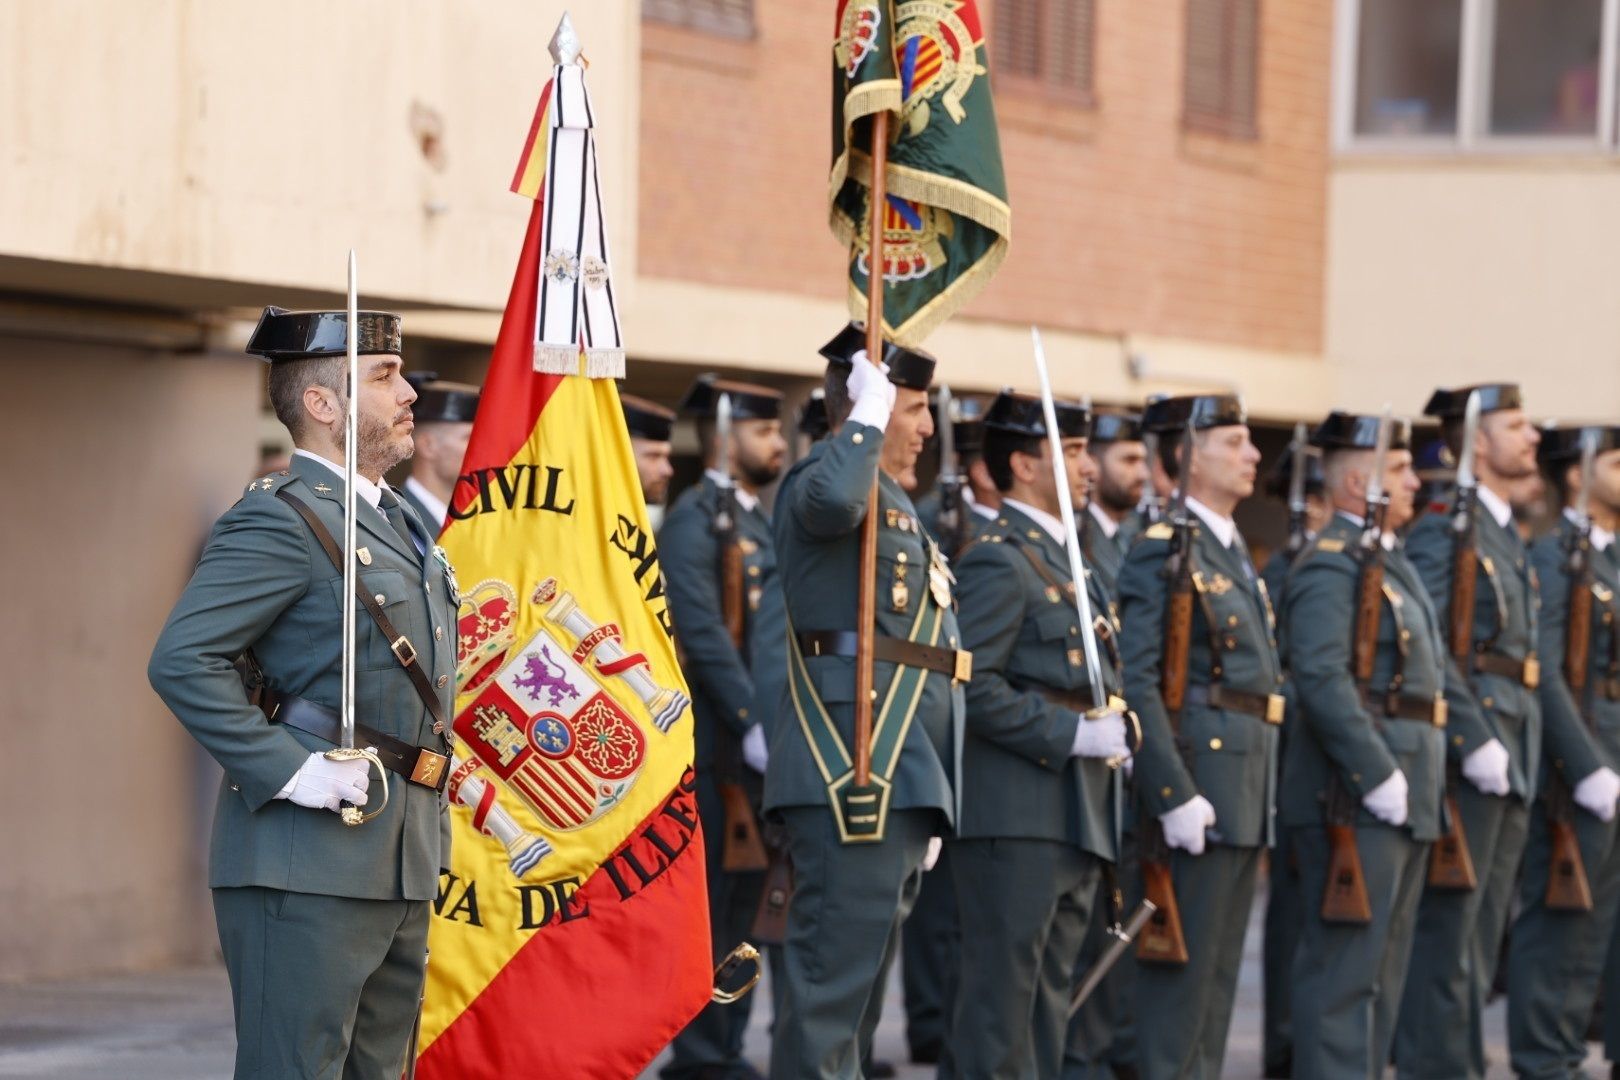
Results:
<point x="1526" y="671"/>
<point x="415" y="763"/>
<point x="1077" y="700"/>
<point x="1401" y="707"/>
<point x="956" y="663"/>
<point x="1267" y="707"/>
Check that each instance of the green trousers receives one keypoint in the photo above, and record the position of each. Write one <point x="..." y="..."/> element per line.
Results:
<point x="929" y="941"/>
<point x="1347" y="980"/>
<point x="843" y="930"/>
<point x="1285" y="920"/>
<point x="1027" y="903"/>
<point x="1188" y="1008"/>
<point x="1555" y="958"/>
<point x="1440" y="1033"/>
<point x="1102" y="1035"/>
<point x="323" y="987"/>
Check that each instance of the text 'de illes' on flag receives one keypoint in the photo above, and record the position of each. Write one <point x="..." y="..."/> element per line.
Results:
<point x="570" y="937"/>
<point x="946" y="222"/>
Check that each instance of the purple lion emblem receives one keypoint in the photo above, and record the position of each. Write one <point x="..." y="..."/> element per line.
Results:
<point x="543" y="675"/>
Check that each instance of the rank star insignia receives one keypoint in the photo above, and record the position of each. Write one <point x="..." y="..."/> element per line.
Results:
<point x="323" y="489"/>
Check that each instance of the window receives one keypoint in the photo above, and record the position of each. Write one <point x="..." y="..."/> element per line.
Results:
<point x="1048" y="42"/>
<point x="1478" y="74"/>
<point x="1220" y="85"/>
<point x="732" y="18"/>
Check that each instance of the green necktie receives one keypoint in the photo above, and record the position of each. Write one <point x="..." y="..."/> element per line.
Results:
<point x="395" y="514"/>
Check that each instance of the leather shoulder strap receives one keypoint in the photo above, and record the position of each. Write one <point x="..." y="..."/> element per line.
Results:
<point x="398" y="643"/>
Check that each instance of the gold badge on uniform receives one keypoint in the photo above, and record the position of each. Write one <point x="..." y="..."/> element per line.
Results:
<point x="899" y="591"/>
<point x="1219" y="584"/>
<point x="754" y="595"/>
<point x="364" y="555"/>
<point x="940" y="578"/>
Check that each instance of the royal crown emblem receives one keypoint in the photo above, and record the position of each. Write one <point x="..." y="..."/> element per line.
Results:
<point x="858" y="26"/>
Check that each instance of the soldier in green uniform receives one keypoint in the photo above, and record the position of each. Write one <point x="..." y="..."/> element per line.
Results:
<point x="1493" y="740"/>
<point x="444" y="414"/>
<point x="931" y="936"/>
<point x="1555" y="956"/>
<point x="323" y="926"/>
<point x="1040" y="794"/>
<point x="730" y="739"/>
<point x="1102" y="1035"/>
<point x="1285" y="911"/>
<point x="859" y="855"/>
<point x="651" y="427"/>
<point x="1370" y="754"/>
<point x="1209" y="781"/>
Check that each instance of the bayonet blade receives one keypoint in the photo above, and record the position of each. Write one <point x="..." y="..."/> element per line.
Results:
<point x="947" y="432"/>
<point x="1299" y="451"/>
<point x="1583" y="500"/>
<point x="1465" y="460"/>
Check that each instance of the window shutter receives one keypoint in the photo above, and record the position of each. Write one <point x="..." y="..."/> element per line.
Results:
<point x="732" y="18"/>
<point x="1048" y="41"/>
<point x="1221" y="83"/>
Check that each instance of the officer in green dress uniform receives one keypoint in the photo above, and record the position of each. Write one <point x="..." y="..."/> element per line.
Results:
<point x="651" y="427"/>
<point x="1370" y="754"/>
<point x="323" y="926"/>
<point x="1285" y="911"/>
<point x="1102" y="1035"/>
<point x="1040" y="795"/>
<point x="1208" y="783"/>
<point x="1556" y="955"/>
<point x="444" y="414"/>
<point x="1493" y="739"/>
<point x="730" y="739"/>
<point x="859" y="855"/>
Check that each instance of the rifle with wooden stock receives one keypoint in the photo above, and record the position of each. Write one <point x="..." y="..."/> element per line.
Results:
<point x="1162" y="940"/>
<point x="742" y="848"/>
<point x="1568" y="887"/>
<point x="1344" y="901"/>
<point x="1451" y="866"/>
<point x="1298" y="462"/>
<point x="952" y="520"/>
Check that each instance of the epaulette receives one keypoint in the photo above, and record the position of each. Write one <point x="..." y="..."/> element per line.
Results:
<point x="1329" y="544"/>
<point x="1159" y="530"/>
<point x="266" y="483"/>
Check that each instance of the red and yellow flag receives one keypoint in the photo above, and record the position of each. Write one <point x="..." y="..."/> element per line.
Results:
<point x="571" y="937"/>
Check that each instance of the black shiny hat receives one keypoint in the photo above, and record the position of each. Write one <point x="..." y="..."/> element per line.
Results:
<point x="813" y="416"/>
<point x="1359" y="431"/>
<point x="967" y="423"/>
<point x="910" y="368"/>
<point x="442" y="402"/>
<point x="301" y="335"/>
<point x="748" y="401"/>
<point x="1116" y="427"/>
<point x="1200" y="410"/>
<point x="1013" y="413"/>
<point x="1282" y="472"/>
<point x="1562" y="445"/>
<point x="647" y="419"/>
<point x="1493" y="397"/>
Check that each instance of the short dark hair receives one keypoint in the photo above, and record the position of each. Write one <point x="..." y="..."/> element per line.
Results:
<point x="835" y="392"/>
<point x="290" y="378"/>
<point x="999" y="447"/>
<point x="1170" y="449"/>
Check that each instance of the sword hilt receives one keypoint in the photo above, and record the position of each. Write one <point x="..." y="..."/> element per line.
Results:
<point x="352" y="815"/>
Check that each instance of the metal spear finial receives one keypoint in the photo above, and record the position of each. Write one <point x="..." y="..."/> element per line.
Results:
<point x="565" y="47"/>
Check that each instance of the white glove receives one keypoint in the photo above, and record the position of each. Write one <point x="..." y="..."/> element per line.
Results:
<point x="1487" y="768"/>
<point x="1103" y="737"/>
<point x="1387" y="801"/>
<point x="1184" y="826"/>
<point x="753" y="748"/>
<point x="1596" y="793"/>
<point x="323" y="784"/>
<point x="871" y="392"/>
<point x="931" y="856"/>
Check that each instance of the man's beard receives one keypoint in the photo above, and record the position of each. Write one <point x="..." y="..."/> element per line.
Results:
<point x="1114" y="497"/>
<point x="759" y="473"/>
<point x="375" y="449"/>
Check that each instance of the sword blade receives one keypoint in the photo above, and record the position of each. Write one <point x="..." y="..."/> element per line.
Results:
<point x="350" y="415"/>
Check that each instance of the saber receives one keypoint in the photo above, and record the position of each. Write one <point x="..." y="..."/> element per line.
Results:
<point x="1102" y="703"/>
<point x="346" y="750"/>
<point x="950" y="475"/>
<point x="1122" y="937"/>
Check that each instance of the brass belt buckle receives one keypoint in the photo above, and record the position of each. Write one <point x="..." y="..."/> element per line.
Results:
<point x="1440" y="711"/>
<point x="403" y="650"/>
<point x="1532" y="672"/>
<point x="964" y="666"/>
<point x="429" y="767"/>
<point x="1276" y="706"/>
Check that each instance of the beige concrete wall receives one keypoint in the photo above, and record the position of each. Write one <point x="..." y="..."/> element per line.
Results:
<point x="1461" y="271"/>
<point x="255" y="143"/>
<point x="116" y="462"/>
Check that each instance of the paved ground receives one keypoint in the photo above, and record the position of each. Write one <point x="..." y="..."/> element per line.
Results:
<point x="177" y="1026"/>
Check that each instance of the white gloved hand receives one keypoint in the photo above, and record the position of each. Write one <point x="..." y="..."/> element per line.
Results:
<point x="1387" y="801"/>
<point x="1103" y="737"/>
<point x="323" y="784"/>
<point x="1184" y="826"/>
<point x="1487" y="768"/>
<point x="931" y="856"/>
<point x="870" y="391"/>
<point x="1596" y="793"/>
<point x="753" y="748"/>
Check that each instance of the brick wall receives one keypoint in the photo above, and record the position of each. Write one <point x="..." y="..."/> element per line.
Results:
<point x="1122" y="221"/>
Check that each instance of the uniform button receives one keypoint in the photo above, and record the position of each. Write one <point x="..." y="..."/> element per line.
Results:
<point x="381" y="599"/>
<point x="444" y="681"/>
<point x="1043" y="761"/>
<point x="1406" y="635"/>
<point x="1231" y="620"/>
<point x="753" y="571"/>
<point x="873" y="695"/>
<point x="438" y="727"/>
<point x="900" y="557"/>
<point x="1214" y="744"/>
<point x="742" y="714"/>
<point x="1355" y="777"/>
<point x="1166" y="792"/>
<point x="858" y="438"/>
<point x="1074" y="630"/>
<point x="953" y="641"/>
<point x="1231" y="642"/>
<point x="1487" y="702"/>
<point x="438" y="633"/>
<point x="1457" y="740"/>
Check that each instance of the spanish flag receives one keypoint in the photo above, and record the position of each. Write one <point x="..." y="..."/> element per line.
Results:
<point x="570" y="937"/>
